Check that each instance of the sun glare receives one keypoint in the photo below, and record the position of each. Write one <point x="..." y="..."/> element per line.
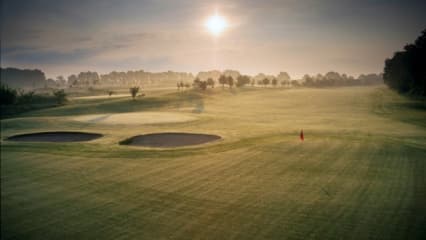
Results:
<point x="216" y="24"/>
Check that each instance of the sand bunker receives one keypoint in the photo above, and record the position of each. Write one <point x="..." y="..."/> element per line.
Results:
<point x="55" y="137"/>
<point x="136" y="118"/>
<point x="169" y="139"/>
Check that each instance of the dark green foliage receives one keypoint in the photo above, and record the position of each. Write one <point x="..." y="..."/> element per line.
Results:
<point x="7" y="95"/>
<point x="406" y="70"/>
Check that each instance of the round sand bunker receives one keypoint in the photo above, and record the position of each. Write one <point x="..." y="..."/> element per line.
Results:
<point x="55" y="137"/>
<point x="169" y="139"/>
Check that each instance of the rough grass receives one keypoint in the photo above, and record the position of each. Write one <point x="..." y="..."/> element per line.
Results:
<point x="360" y="174"/>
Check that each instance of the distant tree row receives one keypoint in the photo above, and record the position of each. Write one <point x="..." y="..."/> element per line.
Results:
<point x="181" y="85"/>
<point x="129" y="78"/>
<point x="330" y="79"/>
<point x="22" y="78"/>
<point x="406" y="70"/>
<point x="241" y="80"/>
<point x="334" y="79"/>
<point x="32" y="79"/>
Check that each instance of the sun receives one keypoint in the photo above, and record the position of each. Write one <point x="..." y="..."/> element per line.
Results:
<point x="216" y="24"/>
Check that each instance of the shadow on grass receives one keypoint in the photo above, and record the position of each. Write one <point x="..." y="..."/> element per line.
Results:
<point x="120" y="105"/>
<point x="400" y="107"/>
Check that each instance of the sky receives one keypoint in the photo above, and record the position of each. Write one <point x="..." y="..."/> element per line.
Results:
<point x="62" y="37"/>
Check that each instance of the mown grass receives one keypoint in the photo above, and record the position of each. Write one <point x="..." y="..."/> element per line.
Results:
<point x="360" y="174"/>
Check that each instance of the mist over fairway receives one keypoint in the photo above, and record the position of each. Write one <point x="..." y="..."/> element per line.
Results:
<point x="360" y="173"/>
<point x="194" y="119"/>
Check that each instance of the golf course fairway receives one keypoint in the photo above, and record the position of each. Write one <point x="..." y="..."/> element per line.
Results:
<point x="360" y="172"/>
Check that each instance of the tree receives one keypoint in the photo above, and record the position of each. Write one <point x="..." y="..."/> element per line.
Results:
<point x="134" y="91"/>
<point x="265" y="82"/>
<point x="230" y="81"/>
<point x="198" y="84"/>
<point x="295" y="83"/>
<point x="60" y="80"/>
<point x="180" y="85"/>
<point x="285" y="83"/>
<point x="88" y="78"/>
<point x="50" y="83"/>
<point x="25" y="97"/>
<point x="203" y="85"/>
<point x="210" y="82"/>
<point x="22" y="78"/>
<point x="259" y="78"/>
<point x="223" y="80"/>
<point x="405" y="72"/>
<point x="308" y="80"/>
<point x="72" y="80"/>
<point x="213" y="74"/>
<point x="60" y="96"/>
<point x="274" y="82"/>
<point x="283" y="76"/>
<point x="242" y="80"/>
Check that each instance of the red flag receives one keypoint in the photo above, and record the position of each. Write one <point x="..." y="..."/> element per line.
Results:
<point x="302" y="138"/>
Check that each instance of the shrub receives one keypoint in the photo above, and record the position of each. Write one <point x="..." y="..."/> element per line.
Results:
<point x="25" y="97"/>
<point x="134" y="91"/>
<point x="60" y="96"/>
<point x="7" y="95"/>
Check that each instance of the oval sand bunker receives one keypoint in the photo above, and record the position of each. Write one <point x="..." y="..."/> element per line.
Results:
<point x="55" y="137"/>
<point x="169" y="139"/>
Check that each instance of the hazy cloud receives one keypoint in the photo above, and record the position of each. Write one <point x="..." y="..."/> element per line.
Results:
<point x="268" y="36"/>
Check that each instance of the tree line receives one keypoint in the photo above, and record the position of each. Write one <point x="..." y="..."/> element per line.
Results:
<point x="32" y="79"/>
<point x="283" y="79"/>
<point x="129" y="78"/>
<point x="405" y="72"/>
<point x="22" y="78"/>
